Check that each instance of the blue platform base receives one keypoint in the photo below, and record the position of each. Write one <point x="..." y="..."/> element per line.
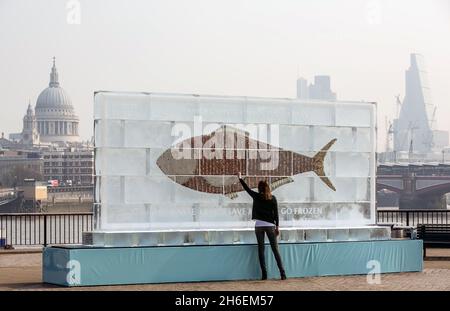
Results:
<point x="85" y="266"/>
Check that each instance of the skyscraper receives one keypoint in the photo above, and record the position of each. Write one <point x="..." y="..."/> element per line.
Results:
<point x="413" y="130"/>
<point x="302" y="88"/>
<point x="320" y="89"/>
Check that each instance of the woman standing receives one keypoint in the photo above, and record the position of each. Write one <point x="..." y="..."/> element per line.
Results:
<point x="265" y="212"/>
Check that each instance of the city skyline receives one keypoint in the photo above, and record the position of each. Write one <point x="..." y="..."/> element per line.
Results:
<point x="363" y="46"/>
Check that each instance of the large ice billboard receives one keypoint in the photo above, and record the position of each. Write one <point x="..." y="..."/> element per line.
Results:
<point x="168" y="161"/>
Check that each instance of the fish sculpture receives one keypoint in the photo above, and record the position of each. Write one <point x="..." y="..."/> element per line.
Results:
<point x="202" y="163"/>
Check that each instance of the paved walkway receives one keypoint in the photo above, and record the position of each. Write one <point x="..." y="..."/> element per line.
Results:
<point x="20" y="271"/>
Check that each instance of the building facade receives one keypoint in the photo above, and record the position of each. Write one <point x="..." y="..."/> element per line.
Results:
<point x="70" y="166"/>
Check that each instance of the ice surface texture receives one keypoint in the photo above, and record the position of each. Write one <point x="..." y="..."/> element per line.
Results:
<point x="134" y="192"/>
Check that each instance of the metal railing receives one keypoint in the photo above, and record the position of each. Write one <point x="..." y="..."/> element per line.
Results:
<point x="44" y="229"/>
<point x="66" y="228"/>
<point x="413" y="217"/>
<point x="79" y="188"/>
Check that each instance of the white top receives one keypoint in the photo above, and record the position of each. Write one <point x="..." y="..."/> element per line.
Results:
<point x="262" y="223"/>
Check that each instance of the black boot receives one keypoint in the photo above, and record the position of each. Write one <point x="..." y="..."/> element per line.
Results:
<point x="264" y="275"/>
<point x="283" y="275"/>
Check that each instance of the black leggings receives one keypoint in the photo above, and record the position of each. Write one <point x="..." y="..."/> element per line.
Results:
<point x="270" y="231"/>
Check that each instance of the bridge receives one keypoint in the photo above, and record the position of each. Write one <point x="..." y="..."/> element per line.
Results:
<point x="418" y="185"/>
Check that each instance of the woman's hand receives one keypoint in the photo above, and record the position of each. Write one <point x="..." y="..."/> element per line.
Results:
<point x="238" y="175"/>
<point x="277" y="231"/>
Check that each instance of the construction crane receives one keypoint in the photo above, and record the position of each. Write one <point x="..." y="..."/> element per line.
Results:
<point x="411" y="129"/>
<point x="398" y="105"/>
<point x="433" y="119"/>
<point x="389" y="133"/>
<point x="432" y="123"/>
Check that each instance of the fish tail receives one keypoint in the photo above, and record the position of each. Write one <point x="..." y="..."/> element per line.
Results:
<point x="318" y="160"/>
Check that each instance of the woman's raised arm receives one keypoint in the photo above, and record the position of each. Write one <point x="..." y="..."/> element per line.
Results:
<point x="252" y="193"/>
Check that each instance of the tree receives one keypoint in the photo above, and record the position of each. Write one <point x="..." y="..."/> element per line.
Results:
<point x="17" y="173"/>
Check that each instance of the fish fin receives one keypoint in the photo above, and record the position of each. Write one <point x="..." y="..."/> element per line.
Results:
<point x="318" y="160"/>
<point x="231" y="195"/>
<point x="281" y="182"/>
<point x="328" y="182"/>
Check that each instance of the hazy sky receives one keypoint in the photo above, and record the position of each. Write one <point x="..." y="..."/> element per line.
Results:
<point x="229" y="47"/>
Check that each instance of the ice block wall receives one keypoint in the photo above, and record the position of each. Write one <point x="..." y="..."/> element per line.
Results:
<point x="140" y="185"/>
